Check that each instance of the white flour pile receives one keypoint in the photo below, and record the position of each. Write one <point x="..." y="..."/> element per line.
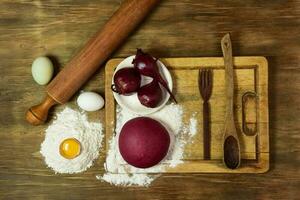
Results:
<point x="72" y="124"/>
<point x="171" y="117"/>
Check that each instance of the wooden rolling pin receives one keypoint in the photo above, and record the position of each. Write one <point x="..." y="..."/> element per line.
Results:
<point x="91" y="57"/>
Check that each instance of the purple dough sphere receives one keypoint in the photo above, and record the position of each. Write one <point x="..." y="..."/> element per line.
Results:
<point x="143" y="142"/>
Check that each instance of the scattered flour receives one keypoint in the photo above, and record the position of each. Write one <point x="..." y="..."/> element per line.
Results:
<point x="72" y="124"/>
<point x="118" y="173"/>
<point x="193" y="127"/>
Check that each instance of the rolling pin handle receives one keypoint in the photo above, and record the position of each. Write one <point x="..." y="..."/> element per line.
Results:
<point x="38" y="114"/>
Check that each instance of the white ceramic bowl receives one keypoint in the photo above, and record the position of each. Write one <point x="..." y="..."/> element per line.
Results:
<point x="132" y="103"/>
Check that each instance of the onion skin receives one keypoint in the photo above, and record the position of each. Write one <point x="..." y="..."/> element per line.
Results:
<point x="143" y="142"/>
<point x="126" y="81"/>
<point x="147" y="66"/>
<point x="150" y="95"/>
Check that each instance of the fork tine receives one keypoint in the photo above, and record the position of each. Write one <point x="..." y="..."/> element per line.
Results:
<point x="207" y="78"/>
<point x="202" y="79"/>
<point x="211" y="79"/>
<point x="210" y="82"/>
<point x="209" y="86"/>
<point x="200" y="82"/>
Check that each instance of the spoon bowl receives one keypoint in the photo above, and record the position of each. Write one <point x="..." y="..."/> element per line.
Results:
<point x="231" y="152"/>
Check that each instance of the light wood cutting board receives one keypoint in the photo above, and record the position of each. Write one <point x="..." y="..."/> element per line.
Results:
<point x="251" y="74"/>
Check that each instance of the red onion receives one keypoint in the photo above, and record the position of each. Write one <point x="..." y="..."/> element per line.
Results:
<point x="150" y="95"/>
<point x="147" y="66"/>
<point x="143" y="142"/>
<point x="126" y="81"/>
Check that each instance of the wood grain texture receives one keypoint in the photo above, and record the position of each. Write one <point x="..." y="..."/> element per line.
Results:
<point x="250" y="75"/>
<point x="175" y="29"/>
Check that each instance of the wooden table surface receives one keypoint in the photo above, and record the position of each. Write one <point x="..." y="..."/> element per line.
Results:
<point x="58" y="28"/>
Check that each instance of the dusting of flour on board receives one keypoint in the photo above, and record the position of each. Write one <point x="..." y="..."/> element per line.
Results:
<point x="193" y="125"/>
<point x="118" y="173"/>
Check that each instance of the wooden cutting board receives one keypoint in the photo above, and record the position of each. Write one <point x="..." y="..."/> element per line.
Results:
<point x="251" y="74"/>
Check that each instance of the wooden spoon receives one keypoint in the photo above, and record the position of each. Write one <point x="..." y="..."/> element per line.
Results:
<point x="231" y="146"/>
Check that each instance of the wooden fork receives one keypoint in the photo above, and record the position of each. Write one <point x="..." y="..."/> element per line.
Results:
<point x="205" y="88"/>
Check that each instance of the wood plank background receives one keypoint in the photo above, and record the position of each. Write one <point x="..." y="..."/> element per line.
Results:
<point x="58" y="28"/>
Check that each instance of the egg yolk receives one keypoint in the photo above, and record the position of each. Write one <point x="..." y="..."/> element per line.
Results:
<point x="70" y="148"/>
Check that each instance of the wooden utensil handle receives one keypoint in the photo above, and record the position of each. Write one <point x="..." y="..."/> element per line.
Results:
<point x="38" y="114"/>
<point x="206" y="131"/>
<point x="96" y="51"/>
<point x="227" y="52"/>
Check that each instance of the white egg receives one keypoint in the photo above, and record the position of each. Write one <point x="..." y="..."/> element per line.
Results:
<point x="42" y="70"/>
<point x="90" y="101"/>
